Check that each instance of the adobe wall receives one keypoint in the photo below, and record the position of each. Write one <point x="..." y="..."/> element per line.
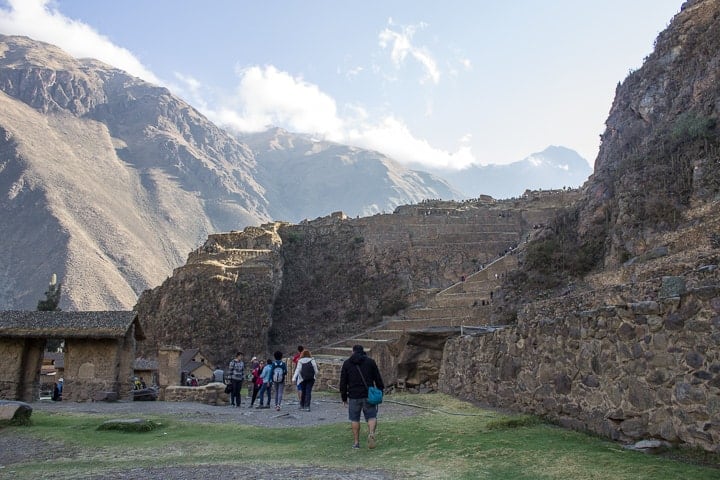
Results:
<point x="93" y="366"/>
<point x="20" y="368"/>
<point x="627" y="372"/>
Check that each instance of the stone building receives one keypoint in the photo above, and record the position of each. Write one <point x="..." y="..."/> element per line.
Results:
<point x="98" y="357"/>
<point x="194" y="362"/>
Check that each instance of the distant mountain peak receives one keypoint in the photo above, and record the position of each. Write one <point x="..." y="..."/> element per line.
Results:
<point x="554" y="167"/>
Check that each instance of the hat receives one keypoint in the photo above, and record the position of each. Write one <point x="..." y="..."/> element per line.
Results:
<point x="253" y="359"/>
<point x="357" y="349"/>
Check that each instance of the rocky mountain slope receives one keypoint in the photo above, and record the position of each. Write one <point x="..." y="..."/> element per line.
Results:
<point x="305" y="176"/>
<point x="660" y="151"/>
<point x="110" y="181"/>
<point x="107" y="180"/>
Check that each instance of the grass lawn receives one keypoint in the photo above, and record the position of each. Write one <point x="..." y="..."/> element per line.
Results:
<point x="451" y="439"/>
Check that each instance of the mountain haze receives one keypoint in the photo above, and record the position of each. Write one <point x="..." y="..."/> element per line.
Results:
<point x="553" y="168"/>
<point x="303" y="175"/>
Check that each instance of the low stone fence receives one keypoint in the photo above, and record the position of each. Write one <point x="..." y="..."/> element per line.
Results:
<point x="629" y="372"/>
<point x="210" y="394"/>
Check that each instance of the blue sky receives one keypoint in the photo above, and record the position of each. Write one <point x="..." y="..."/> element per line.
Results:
<point x="433" y="84"/>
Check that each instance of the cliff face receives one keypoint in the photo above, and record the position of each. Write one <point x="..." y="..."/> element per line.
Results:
<point x="659" y="153"/>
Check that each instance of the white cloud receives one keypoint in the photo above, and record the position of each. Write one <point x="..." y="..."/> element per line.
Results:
<point x="268" y="96"/>
<point x="265" y="95"/>
<point x="393" y="138"/>
<point x="38" y="20"/>
<point x="400" y="44"/>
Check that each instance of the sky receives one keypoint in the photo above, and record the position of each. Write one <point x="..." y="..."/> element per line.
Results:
<point x="439" y="85"/>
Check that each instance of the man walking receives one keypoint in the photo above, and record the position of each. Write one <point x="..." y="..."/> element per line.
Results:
<point x="358" y="373"/>
<point x="237" y="374"/>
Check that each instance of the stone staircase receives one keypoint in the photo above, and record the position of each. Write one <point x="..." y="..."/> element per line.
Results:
<point x="464" y="304"/>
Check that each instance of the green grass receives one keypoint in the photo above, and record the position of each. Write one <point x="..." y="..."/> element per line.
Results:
<point x="448" y="439"/>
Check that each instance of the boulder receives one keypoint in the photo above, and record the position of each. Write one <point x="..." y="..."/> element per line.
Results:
<point x="15" y="412"/>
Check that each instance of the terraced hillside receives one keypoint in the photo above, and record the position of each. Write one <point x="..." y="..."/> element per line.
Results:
<point x="322" y="282"/>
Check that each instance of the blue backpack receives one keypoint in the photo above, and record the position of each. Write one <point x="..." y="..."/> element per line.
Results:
<point x="278" y="371"/>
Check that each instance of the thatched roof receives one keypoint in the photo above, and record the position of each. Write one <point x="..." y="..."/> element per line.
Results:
<point x="33" y="324"/>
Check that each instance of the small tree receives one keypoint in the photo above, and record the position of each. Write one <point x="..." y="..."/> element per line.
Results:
<point x="52" y="297"/>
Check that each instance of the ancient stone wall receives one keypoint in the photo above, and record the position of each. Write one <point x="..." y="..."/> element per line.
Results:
<point x="210" y="394"/>
<point x="639" y="370"/>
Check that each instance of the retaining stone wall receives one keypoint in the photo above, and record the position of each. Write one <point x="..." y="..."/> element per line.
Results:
<point x="633" y="371"/>
<point x="210" y="394"/>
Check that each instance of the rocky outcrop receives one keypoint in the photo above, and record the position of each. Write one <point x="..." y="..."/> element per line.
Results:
<point x="660" y="150"/>
<point x="221" y="300"/>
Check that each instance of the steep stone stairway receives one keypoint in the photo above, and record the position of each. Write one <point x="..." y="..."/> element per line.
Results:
<point x="465" y="303"/>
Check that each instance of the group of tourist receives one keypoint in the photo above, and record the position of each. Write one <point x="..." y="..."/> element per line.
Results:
<point x="358" y="373"/>
<point x="269" y="376"/>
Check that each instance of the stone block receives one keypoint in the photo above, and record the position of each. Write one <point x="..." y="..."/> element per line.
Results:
<point x="649" y="446"/>
<point x="626" y="331"/>
<point x="674" y="321"/>
<point x="661" y="425"/>
<point x="654" y="322"/>
<point x="591" y="381"/>
<point x="658" y="376"/>
<point x="694" y="359"/>
<point x="647" y="307"/>
<point x="12" y="411"/>
<point x="640" y="396"/>
<point x="563" y="384"/>
<point x="634" y="427"/>
<point x="672" y="287"/>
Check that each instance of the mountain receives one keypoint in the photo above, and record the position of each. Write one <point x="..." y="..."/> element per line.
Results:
<point x="109" y="181"/>
<point x="106" y="180"/>
<point x="305" y="176"/>
<point x="660" y="151"/>
<point x="553" y="168"/>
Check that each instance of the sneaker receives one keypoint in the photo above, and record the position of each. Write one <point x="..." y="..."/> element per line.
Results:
<point x="260" y="406"/>
<point x="356" y="445"/>
<point x="277" y="407"/>
<point x="371" y="440"/>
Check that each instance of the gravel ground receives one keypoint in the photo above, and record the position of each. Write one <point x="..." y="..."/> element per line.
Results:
<point x="325" y="410"/>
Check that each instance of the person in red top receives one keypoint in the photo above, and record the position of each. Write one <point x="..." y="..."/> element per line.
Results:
<point x="295" y="360"/>
<point x="257" y="381"/>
